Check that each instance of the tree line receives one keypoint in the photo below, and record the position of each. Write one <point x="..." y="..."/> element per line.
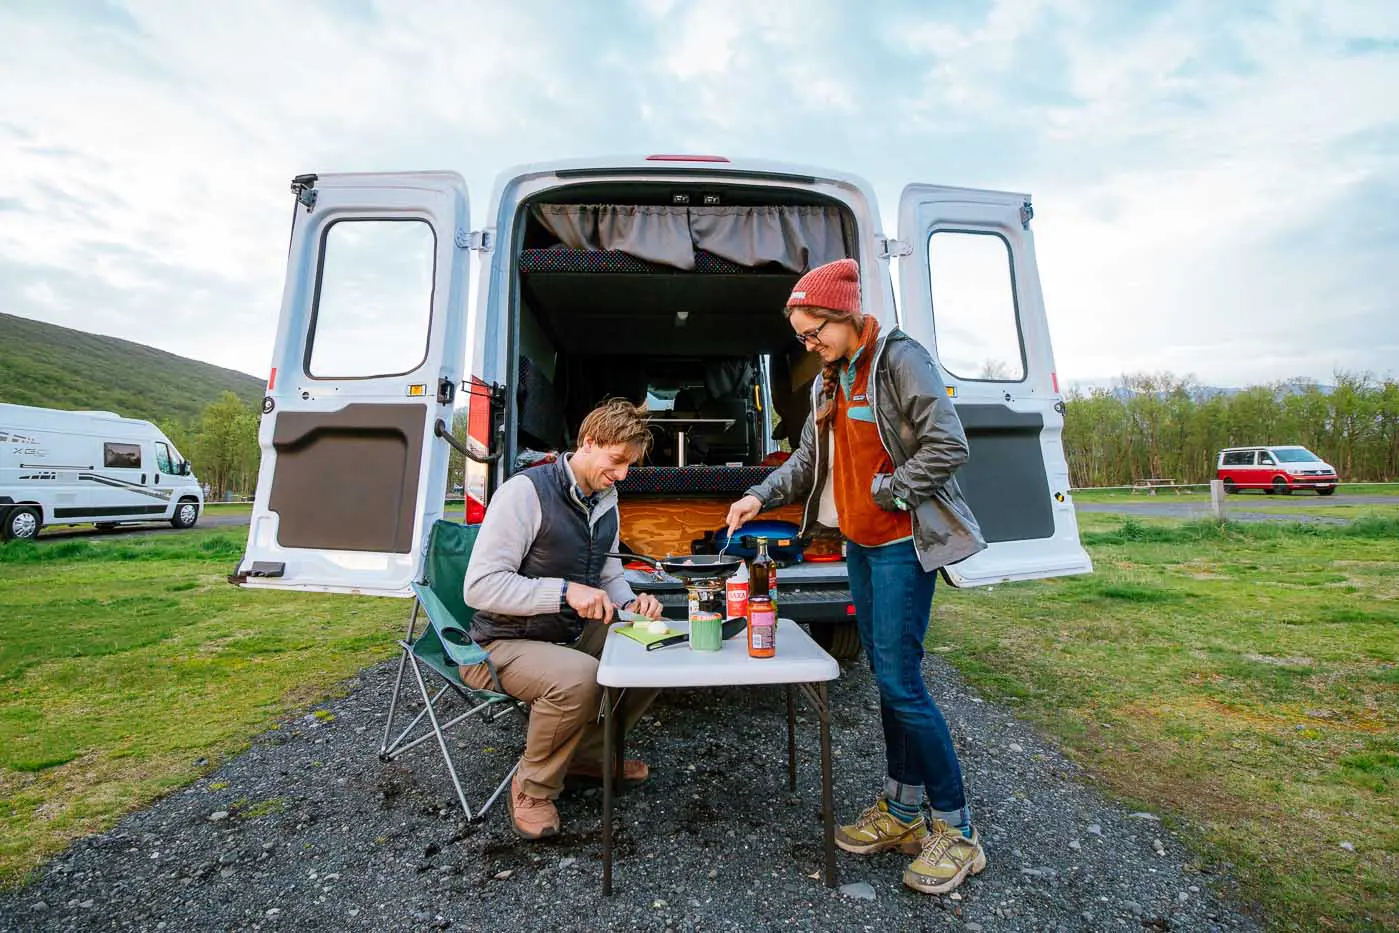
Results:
<point x="1149" y="425"/>
<point x="221" y="445"/>
<point x="1161" y="425"/>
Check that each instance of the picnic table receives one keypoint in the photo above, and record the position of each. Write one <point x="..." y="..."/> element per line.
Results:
<point x="799" y="663"/>
<point x="1152" y="483"/>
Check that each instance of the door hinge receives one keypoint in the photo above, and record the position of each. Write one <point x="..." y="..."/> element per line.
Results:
<point x="304" y="187"/>
<point x="446" y="391"/>
<point x="1027" y="211"/>
<point x="890" y="247"/>
<point x="481" y="240"/>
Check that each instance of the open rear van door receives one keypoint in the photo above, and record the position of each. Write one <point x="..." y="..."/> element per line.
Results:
<point x="367" y="360"/>
<point x="970" y="292"/>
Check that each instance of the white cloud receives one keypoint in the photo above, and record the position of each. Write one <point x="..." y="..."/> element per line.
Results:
<point x="1198" y="202"/>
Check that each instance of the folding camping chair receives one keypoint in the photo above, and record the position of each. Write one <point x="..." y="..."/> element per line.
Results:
<point x="440" y="648"/>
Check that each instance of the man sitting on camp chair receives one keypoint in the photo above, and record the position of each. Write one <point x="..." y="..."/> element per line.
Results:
<point x="544" y="593"/>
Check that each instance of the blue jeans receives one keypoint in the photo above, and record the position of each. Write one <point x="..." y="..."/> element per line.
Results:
<point x="893" y="596"/>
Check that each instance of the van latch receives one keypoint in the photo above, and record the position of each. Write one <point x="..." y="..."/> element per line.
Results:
<point x="1027" y="211"/>
<point x="889" y="247"/>
<point x="481" y="240"/>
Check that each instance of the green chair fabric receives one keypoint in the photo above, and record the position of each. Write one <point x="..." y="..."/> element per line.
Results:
<point x="443" y="646"/>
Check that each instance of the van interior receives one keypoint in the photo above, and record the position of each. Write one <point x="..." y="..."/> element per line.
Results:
<point x="670" y="296"/>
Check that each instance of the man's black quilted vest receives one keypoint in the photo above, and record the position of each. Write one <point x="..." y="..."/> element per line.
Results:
<point x="571" y="544"/>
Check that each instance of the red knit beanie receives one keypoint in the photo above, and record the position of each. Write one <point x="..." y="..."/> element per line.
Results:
<point x="836" y="286"/>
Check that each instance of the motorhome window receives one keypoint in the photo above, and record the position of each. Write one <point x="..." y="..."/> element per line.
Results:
<point x="121" y="456"/>
<point x="163" y="461"/>
<point x="1238" y="458"/>
<point x="974" y="308"/>
<point x="373" y="302"/>
<point x="1266" y="458"/>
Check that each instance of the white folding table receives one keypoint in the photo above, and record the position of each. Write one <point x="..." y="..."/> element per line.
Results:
<point x="799" y="662"/>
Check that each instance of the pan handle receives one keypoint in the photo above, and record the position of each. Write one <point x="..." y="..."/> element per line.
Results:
<point x="655" y="564"/>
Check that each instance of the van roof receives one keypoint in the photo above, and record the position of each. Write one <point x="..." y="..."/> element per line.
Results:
<point x="1225" y="450"/>
<point x="647" y="165"/>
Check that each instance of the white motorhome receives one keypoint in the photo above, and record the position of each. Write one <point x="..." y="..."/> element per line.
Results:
<point x="80" y="467"/>
<point x="661" y="279"/>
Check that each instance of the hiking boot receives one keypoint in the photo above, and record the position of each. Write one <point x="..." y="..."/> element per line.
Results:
<point x="590" y="772"/>
<point x="534" y="817"/>
<point x="878" y="830"/>
<point x="946" y="859"/>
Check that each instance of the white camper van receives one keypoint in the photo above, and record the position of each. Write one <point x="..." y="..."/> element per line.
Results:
<point x="661" y="279"/>
<point x="76" y="467"/>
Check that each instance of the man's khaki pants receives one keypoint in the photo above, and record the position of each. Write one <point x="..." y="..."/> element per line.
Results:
<point x="560" y="684"/>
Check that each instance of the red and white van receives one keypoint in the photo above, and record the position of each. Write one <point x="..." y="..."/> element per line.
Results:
<point x="1275" y="470"/>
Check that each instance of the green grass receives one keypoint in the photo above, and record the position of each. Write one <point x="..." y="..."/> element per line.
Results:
<point x="128" y="667"/>
<point x="1245" y="676"/>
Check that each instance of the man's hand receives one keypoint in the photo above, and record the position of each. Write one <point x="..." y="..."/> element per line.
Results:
<point x="590" y="602"/>
<point x="647" y="605"/>
<point x="742" y="512"/>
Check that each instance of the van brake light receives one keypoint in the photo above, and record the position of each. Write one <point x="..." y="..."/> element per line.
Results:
<point x="670" y="157"/>
<point x="475" y="511"/>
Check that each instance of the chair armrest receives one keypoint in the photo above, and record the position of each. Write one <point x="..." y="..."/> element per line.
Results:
<point x="455" y="640"/>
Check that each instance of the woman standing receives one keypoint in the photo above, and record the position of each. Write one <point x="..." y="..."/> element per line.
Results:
<point x="876" y="460"/>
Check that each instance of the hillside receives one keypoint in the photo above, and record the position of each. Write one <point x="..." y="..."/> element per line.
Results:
<point x="54" y="367"/>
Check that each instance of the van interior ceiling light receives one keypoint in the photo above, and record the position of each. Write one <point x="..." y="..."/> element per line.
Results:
<point x="681" y="317"/>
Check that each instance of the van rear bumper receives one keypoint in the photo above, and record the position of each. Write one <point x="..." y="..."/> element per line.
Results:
<point x="800" y="603"/>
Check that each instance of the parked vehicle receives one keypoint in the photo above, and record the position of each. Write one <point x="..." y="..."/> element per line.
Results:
<point x="659" y="279"/>
<point x="80" y="467"/>
<point x="1275" y="470"/>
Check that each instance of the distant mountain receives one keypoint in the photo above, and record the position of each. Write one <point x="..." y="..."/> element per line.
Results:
<point x="55" y="367"/>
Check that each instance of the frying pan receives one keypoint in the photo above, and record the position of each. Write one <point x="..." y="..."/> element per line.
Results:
<point x="692" y="567"/>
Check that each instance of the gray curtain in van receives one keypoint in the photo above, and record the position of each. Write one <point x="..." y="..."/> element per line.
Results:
<point x="796" y="238"/>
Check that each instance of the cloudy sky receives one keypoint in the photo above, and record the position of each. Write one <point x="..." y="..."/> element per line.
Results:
<point x="1216" y="182"/>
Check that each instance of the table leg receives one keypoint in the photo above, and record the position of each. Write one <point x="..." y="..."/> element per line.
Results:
<point x="828" y="806"/>
<point x="608" y="759"/>
<point x="619" y="740"/>
<point x="791" y="741"/>
<point x="679" y="446"/>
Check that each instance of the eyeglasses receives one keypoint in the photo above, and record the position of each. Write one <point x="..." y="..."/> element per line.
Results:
<point x="812" y="335"/>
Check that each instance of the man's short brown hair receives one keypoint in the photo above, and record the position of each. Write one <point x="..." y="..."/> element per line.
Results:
<point x="617" y="421"/>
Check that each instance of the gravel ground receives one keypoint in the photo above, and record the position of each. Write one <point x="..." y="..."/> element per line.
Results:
<point x="307" y="830"/>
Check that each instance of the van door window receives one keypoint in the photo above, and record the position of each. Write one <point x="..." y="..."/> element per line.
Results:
<point x="121" y="456"/>
<point x="372" y="272"/>
<point x="1266" y="459"/>
<point x="163" y="460"/>
<point x="1239" y="458"/>
<point x="974" y="308"/>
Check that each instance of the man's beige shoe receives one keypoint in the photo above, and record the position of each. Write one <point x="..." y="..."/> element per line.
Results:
<point x="878" y="830"/>
<point x="534" y="817"/>
<point x="946" y="859"/>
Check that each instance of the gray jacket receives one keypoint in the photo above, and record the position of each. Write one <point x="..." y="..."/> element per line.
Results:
<point x="922" y="434"/>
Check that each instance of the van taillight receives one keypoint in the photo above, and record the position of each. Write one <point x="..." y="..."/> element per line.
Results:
<point x="478" y="438"/>
<point x="685" y="158"/>
<point x="475" y="511"/>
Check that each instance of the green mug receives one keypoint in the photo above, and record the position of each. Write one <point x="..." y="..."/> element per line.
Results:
<point x="707" y="634"/>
